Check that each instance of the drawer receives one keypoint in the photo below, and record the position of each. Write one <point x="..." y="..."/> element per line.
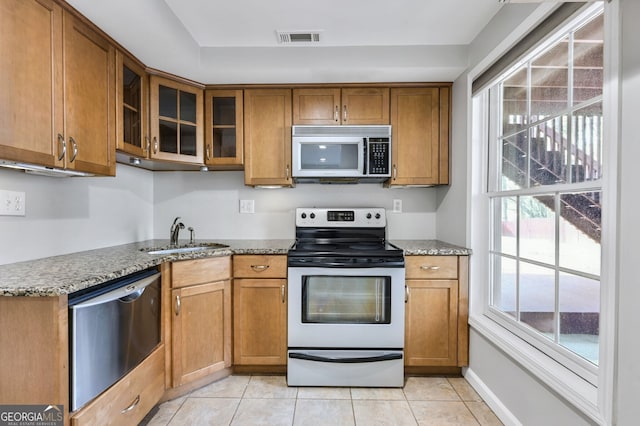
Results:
<point x="200" y="271"/>
<point x="421" y="267"/>
<point x="130" y="399"/>
<point x="260" y="266"/>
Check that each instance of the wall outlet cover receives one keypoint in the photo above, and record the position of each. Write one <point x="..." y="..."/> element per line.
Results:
<point x="247" y="206"/>
<point x="12" y="203"/>
<point x="397" y="206"/>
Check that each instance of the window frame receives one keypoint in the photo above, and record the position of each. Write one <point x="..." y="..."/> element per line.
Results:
<point x="593" y="399"/>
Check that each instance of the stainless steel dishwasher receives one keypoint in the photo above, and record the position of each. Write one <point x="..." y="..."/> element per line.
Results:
<point x="112" y="329"/>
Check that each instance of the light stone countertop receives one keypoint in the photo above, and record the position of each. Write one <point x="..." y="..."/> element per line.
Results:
<point x="64" y="274"/>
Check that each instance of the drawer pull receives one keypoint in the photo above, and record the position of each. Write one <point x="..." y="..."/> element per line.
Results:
<point x="178" y="305"/>
<point x="429" y="268"/>
<point x="132" y="406"/>
<point x="259" y="268"/>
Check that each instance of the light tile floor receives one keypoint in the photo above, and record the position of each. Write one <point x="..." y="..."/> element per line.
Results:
<point x="267" y="400"/>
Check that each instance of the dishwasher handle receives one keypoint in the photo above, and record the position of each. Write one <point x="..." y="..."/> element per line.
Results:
<point x="127" y="293"/>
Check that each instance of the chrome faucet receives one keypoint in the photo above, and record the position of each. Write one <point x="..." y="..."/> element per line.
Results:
<point x="175" y="231"/>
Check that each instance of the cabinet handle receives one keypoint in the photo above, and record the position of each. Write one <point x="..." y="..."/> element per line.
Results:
<point x="155" y="145"/>
<point x="344" y="114"/>
<point x="406" y="293"/>
<point x="207" y="151"/>
<point x="282" y="292"/>
<point x="147" y="146"/>
<point x="259" y="268"/>
<point x="336" y="115"/>
<point x="74" y="146"/>
<point x="287" y="172"/>
<point x="395" y="172"/>
<point x="178" y="305"/>
<point x="429" y="268"/>
<point x="62" y="142"/>
<point x="132" y="406"/>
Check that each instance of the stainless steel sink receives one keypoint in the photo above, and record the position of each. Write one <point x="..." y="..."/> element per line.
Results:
<point x="184" y="248"/>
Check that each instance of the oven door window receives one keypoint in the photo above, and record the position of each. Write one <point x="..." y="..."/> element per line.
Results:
<point x="346" y="300"/>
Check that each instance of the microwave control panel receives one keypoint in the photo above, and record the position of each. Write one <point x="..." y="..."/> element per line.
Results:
<point x="379" y="157"/>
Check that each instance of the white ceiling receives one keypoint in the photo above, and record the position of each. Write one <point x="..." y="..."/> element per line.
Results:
<point x="235" y="41"/>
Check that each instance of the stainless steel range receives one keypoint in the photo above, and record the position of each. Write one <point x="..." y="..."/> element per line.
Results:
<point x="346" y="300"/>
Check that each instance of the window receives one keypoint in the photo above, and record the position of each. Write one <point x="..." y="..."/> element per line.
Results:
<point x="545" y="190"/>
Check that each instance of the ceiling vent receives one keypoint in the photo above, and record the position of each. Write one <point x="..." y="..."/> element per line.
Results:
<point x="298" y="37"/>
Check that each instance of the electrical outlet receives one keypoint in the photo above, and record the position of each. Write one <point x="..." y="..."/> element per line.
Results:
<point x="397" y="206"/>
<point x="247" y="206"/>
<point x="12" y="203"/>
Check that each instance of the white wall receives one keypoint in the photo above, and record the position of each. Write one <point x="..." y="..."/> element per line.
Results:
<point x="65" y="215"/>
<point x="209" y="202"/>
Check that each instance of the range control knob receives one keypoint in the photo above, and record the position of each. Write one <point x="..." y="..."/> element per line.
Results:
<point x="312" y="215"/>
<point x="368" y="215"/>
<point x="377" y="215"/>
<point x="303" y="215"/>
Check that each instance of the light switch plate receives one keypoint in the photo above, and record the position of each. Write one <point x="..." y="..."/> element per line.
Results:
<point x="12" y="203"/>
<point x="247" y="206"/>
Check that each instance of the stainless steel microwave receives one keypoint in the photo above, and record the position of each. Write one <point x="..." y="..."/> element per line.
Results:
<point x="341" y="154"/>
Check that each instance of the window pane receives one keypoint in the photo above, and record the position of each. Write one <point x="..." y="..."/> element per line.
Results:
<point x="580" y="315"/>
<point x="514" y="161"/>
<point x="580" y="232"/>
<point x="548" y="152"/>
<point x="514" y="101"/>
<point x="550" y="81"/>
<point x="506" y="215"/>
<point x="537" y="228"/>
<point x="537" y="300"/>
<point x="586" y="147"/>
<point x="504" y="285"/>
<point x="588" y="61"/>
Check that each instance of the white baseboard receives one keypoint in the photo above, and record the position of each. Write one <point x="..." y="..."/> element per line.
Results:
<point x="491" y="399"/>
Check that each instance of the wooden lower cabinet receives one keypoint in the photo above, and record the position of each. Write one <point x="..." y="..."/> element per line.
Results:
<point x="200" y="318"/>
<point x="436" y="311"/>
<point x="260" y="310"/>
<point x="130" y="399"/>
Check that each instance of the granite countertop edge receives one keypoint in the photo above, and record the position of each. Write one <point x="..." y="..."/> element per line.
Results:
<point x="65" y="274"/>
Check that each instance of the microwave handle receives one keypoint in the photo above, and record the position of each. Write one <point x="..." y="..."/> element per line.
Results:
<point x="365" y="156"/>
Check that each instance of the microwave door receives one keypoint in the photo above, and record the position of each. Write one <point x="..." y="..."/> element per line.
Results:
<point x="328" y="156"/>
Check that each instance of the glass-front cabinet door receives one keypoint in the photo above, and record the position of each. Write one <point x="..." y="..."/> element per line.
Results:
<point x="223" y="129"/>
<point x="133" y="107"/>
<point x="176" y="121"/>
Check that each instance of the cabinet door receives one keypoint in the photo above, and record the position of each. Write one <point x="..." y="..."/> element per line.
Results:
<point x="223" y="111"/>
<point x="418" y="147"/>
<point x="431" y="323"/>
<point x="316" y="106"/>
<point x="365" y="106"/>
<point x="89" y="99"/>
<point x="176" y="121"/>
<point x="31" y="84"/>
<point x="267" y="132"/>
<point x="260" y="322"/>
<point x="132" y="113"/>
<point x="201" y="330"/>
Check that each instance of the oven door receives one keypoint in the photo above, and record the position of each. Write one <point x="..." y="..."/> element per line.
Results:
<point x="360" y="308"/>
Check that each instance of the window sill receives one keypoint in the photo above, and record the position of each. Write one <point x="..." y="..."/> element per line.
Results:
<point x="568" y="385"/>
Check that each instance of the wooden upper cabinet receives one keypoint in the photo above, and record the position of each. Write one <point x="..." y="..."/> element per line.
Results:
<point x="31" y="83"/>
<point x="89" y="99"/>
<point x="420" y="136"/>
<point x="267" y="137"/>
<point x="341" y="106"/>
<point x="223" y="121"/>
<point x="176" y="121"/>
<point x="132" y="113"/>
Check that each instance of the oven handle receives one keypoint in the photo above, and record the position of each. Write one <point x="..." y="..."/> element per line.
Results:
<point x="307" y="357"/>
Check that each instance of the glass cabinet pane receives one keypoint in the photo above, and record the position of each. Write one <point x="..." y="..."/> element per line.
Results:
<point x="131" y="126"/>
<point x="131" y="103"/>
<point x="131" y="88"/>
<point x="224" y="143"/>
<point x="224" y="111"/>
<point x="168" y="102"/>
<point x="188" y="140"/>
<point x="188" y="107"/>
<point x="168" y="137"/>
